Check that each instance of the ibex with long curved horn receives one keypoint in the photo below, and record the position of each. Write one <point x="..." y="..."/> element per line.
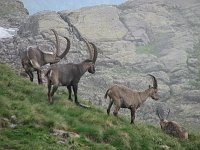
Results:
<point x="69" y="74"/>
<point x="33" y="58"/>
<point x="171" y="127"/>
<point x="124" y="97"/>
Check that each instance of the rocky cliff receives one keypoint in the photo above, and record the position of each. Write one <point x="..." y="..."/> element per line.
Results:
<point x="12" y="13"/>
<point x="134" y="39"/>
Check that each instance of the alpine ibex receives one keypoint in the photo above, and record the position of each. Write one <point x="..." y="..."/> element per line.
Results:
<point x="33" y="58"/>
<point x="171" y="127"/>
<point x="124" y="97"/>
<point x="70" y="74"/>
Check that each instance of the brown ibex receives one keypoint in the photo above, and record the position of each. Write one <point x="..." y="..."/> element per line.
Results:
<point x="124" y="97"/>
<point x="33" y="58"/>
<point x="171" y="127"/>
<point x="69" y="74"/>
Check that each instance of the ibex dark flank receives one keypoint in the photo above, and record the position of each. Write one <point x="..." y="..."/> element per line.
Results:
<point x="171" y="127"/>
<point x="124" y="97"/>
<point x="33" y="58"/>
<point x="69" y="74"/>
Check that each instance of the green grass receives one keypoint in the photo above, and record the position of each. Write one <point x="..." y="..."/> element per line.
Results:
<point x="36" y="119"/>
<point x="146" y="49"/>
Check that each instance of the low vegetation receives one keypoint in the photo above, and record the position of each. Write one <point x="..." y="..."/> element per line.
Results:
<point x="146" y="49"/>
<point x="36" y="120"/>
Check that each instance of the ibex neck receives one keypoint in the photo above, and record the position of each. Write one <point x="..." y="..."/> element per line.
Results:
<point x="144" y="95"/>
<point x="82" y="68"/>
<point x="48" y="58"/>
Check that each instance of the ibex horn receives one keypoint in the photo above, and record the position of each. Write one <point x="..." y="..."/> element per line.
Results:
<point x="66" y="50"/>
<point x="57" y="42"/>
<point x="155" y="85"/>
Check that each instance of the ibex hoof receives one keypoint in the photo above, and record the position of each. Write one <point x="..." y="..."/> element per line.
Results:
<point x="108" y="112"/>
<point x="115" y="114"/>
<point x="50" y="103"/>
<point x="70" y="99"/>
<point x="77" y="103"/>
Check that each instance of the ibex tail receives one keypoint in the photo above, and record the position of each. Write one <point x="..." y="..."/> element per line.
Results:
<point x="105" y="96"/>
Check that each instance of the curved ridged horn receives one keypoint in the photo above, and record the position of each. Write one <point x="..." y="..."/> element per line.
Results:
<point x="155" y="85"/>
<point x="168" y="113"/>
<point x="160" y="113"/>
<point x="95" y="52"/>
<point x="89" y="47"/>
<point x="66" y="50"/>
<point x="57" y="42"/>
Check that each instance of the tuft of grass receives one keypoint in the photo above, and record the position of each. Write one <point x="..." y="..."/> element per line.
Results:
<point x="146" y="49"/>
<point x="98" y="131"/>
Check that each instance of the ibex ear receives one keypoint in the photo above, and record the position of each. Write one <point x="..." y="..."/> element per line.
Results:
<point x="149" y="86"/>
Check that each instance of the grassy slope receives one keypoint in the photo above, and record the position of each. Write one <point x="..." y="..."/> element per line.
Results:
<point x="36" y="118"/>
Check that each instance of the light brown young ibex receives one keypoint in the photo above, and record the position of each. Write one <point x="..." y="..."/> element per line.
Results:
<point x="33" y="58"/>
<point x="69" y="74"/>
<point x="124" y="97"/>
<point x="171" y="127"/>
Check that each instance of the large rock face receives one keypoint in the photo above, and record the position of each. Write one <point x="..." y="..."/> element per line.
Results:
<point x="12" y="13"/>
<point x="94" y="24"/>
<point x="136" y="38"/>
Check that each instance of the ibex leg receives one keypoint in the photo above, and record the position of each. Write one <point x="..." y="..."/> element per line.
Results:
<point x="116" y="110"/>
<point x="30" y="74"/>
<point x="75" y="88"/>
<point x="132" y="115"/>
<point x="109" y="106"/>
<point x="49" y="91"/>
<point x="55" y="87"/>
<point x="69" y="92"/>
<point x="36" y="66"/>
<point x="39" y="76"/>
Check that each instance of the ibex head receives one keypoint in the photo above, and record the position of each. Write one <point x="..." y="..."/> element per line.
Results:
<point x="160" y="114"/>
<point x="153" y="89"/>
<point x="93" y="58"/>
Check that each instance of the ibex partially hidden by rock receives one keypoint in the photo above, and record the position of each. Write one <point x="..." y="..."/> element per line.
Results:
<point x="171" y="127"/>
<point x="33" y="58"/>
<point x="124" y="97"/>
<point x="69" y="74"/>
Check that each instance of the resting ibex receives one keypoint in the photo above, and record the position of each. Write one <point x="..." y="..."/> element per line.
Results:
<point x="33" y="58"/>
<point x="124" y="97"/>
<point x="69" y="74"/>
<point x="171" y="127"/>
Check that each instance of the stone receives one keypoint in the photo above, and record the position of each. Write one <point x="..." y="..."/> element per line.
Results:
<point x="4" y="122"/>
<point x="192" y="95"/>
<point x="94" y="24"/>
<point x="13" y="119"/>
<point x="65" y="134"/>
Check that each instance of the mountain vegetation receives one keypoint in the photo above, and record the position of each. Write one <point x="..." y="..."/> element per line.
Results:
<point x="36" y="123"/>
